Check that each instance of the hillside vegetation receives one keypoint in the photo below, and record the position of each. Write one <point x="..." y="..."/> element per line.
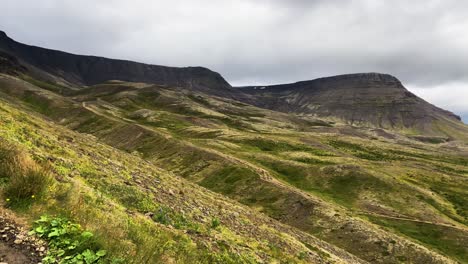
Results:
<point x="330" y="188"/>
<point x="174" y="165"/>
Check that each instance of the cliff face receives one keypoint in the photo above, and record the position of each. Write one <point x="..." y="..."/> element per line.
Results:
<point x="90" y="70"/>
<point x="361" y="99"/>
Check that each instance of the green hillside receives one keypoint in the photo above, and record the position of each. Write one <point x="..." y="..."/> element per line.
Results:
<point x="164" y="174"/>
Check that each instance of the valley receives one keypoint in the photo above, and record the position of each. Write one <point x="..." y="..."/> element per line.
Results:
<point x="192" y="170"/>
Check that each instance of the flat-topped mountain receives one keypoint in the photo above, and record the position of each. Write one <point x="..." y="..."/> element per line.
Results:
<point x="89" y="70"/>
<point x="360" y="99"/>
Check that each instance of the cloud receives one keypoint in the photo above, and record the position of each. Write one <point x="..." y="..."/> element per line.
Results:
<point x="452" y="96"/>
<point x="423" y="43"/>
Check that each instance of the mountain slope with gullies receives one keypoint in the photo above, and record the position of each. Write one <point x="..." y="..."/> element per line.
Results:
<point x="368" y="99"/>
<point x="365" y="99"/>
<point x="137" y="211"/>
<point x="79" y="70"/>
<point x="333" y="182"/>
<point x="318" y="190"/>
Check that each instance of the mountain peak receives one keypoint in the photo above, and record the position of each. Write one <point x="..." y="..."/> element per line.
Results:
<point x="369" y="77"/>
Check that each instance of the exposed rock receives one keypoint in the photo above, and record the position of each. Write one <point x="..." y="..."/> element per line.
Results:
<point x="149" y="214"/>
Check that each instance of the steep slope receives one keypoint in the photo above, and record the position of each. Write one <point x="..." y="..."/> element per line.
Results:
<point x="374" y="193"/>
<point x="89" y="70"/>
<point x="293" y="170"/>
<point x="371" y="99"/>
<point x="142" y="213"/>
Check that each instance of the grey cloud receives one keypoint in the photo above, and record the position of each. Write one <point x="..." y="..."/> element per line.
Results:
<point x="424" y="43"/>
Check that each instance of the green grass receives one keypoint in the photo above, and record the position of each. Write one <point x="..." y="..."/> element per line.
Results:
<point x="199" y="99"/>
<point x="130" y="196"/>
<point x="271" y="145"/>
<point x="228" y="179"/>
<point x="46" y="85"/>
<point x="444" y="239"/>
<point x="367" y="153"/>
<point x="347" y="188"/>
<point x="37" y="103"/>
<point x="24" y="180"/>
<point x="260" y="144"/>
<point x="313" y="161"/>
<point x="91" y="190"/>
<point x="92" y="185"/>
<point x="167" y="216"/>
<point x="455" y="195"/>
<point x="342" y="186"/>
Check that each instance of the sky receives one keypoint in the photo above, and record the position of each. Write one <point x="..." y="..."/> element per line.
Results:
<point x="424" y="43"/>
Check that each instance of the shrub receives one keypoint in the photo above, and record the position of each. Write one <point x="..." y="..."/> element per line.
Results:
<point x="24" y="179"/>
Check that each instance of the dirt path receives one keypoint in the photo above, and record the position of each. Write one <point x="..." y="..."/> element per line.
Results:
<point x="16" y="246"/>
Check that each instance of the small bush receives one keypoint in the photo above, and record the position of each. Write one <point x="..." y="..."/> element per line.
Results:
<point x="215" y="223"/>
<point x="24" y="179"/>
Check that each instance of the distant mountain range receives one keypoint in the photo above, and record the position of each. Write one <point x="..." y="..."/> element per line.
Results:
<point x="369" y="99"/>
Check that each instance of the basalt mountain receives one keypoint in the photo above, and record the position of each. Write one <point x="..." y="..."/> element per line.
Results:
<point x="77" y="70"/>
<point x="183" y="168"/>
<point x="371" y="99"/>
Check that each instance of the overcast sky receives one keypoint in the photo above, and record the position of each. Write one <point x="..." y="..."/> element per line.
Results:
<point x="423" y="43"/>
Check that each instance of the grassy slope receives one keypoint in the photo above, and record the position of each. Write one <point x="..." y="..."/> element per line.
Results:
<point x="256" y="157"/>
<point x="108" y="191"/>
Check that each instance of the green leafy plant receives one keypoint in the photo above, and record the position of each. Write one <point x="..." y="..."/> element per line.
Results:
<point x="68" y="242"/>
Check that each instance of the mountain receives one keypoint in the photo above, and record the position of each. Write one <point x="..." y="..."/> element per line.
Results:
<point x="175" y="174"/>
<point x="369" y="99"/>
<point x="90" y="70"/>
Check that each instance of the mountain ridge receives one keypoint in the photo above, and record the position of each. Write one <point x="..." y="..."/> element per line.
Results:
<point x="370" y="99"/>
<point x="81" y="67"/>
